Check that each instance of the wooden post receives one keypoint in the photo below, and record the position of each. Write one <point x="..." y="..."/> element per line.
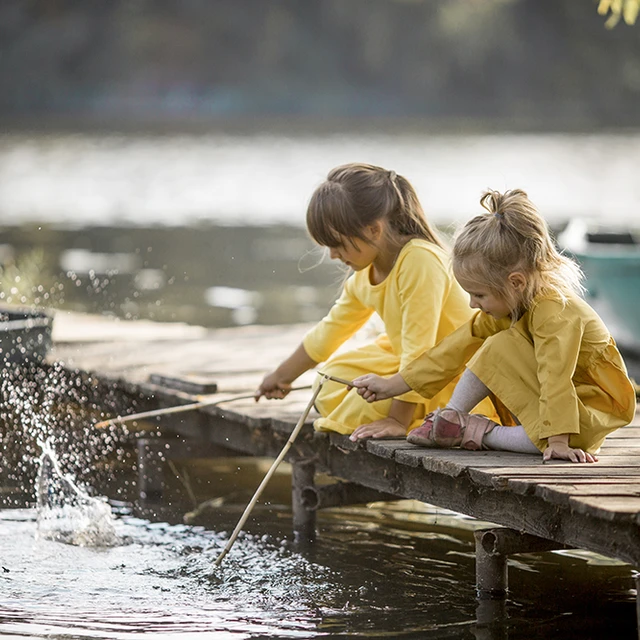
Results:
<point x="304" y="519"/>
<point x="491" y="567"/>
<point x="492" y="548"/>
<point x="340" y="494"/>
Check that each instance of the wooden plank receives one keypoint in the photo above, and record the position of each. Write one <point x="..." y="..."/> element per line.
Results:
<point x="499" y="478"/>
<point x="195" y="385"/>
<point x="562" y="493"/>
<point x="625" y="432"/>
<point x="609" y="508"/>
<point x="524" y="486"/>
<point x="387" y="448"/>
<point x="454" y="462"/>
<point x="619" y="451"/>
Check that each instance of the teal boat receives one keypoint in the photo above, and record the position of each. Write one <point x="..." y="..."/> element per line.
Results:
<point x="611" y="262"/>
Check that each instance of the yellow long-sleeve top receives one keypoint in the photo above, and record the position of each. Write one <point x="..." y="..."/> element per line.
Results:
<point x="420" y="302"/>
<point x="583" y="383"/>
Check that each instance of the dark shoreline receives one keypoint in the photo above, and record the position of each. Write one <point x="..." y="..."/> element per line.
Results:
<point x="298" y="125"/>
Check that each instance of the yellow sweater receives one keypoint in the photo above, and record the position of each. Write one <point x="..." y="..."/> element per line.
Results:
<point x="419" y="302"/>
<point x="557" y="369"/>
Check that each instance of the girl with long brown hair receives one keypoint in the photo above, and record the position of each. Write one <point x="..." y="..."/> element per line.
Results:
<point x="372" y="221"/>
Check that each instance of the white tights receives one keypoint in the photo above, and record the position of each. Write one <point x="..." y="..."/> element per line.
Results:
<point x="469" y="391"/>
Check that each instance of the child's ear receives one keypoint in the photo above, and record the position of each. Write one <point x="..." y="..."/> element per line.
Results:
<point x="375" y="230"/>
<point x="518" y="281"/>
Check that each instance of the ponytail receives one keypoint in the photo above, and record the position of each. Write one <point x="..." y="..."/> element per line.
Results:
<point x="354" y="196"/>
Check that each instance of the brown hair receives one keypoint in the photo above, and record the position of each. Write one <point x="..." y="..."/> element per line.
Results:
<point x="355" y="196"/>
<point x="513" y="236"/>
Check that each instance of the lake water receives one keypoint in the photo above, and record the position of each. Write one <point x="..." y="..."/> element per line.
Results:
<point x="85" y="179"/>
<point x="208" y="229"/>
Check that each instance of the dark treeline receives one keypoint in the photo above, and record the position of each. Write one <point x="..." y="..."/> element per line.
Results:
<point x="522" y="63"/>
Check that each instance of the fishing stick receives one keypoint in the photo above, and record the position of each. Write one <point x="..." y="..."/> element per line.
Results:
<point x="180" y="408"/>
<point x="276" y="462"/>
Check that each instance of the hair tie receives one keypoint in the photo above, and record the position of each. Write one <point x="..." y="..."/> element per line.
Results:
<point x="499" y="215"/>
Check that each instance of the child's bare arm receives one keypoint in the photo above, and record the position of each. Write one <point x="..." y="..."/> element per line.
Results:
<point x="558" y="448"/>
<point x="372" y="387"/>
<point x="277" y="384"/>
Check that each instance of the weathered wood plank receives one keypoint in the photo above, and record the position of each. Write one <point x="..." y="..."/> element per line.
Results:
<point x="608" y="508"/>
<point x="388" y="448"/>
<point x="625" y="432"/>
<point x="561" y="494"/>
<point x="524" y="486"/>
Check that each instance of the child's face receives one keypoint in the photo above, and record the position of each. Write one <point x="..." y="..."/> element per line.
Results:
<point x="484" y="299"/>
<point x="353" y="252"/>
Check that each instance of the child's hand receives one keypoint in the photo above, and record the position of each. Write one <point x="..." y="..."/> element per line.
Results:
<point x="385" y="428"/>
<point x="272" y="386"/>
<point x="562" y="451"/>
<point x="372" y="387"/>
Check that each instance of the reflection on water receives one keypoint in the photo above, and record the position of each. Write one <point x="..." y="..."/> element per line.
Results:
<point x="206" y="275"/>
<point x="384" y="573"/>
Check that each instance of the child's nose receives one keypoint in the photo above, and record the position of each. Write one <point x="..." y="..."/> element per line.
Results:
<point x="333" y="253"/>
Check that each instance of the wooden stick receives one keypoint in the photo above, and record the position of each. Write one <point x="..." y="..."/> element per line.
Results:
<point x="348" y="383"/>
<point x="271" y="471"/>
<point x="179" y="409"/>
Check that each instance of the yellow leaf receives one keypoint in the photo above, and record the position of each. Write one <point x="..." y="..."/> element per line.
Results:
<point x="612" y="20"/>
<point x="604" y="6"/>
<point x="631" y="11"/>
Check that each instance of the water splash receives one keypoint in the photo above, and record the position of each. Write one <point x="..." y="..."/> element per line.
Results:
<point x="66" y="513"/>
<point x="49" y="403"/>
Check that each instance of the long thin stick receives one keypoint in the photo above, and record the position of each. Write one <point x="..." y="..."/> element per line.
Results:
<point x="348" y="383"/>
<point x="179" y="409"/>
<point x="271" y="471"/>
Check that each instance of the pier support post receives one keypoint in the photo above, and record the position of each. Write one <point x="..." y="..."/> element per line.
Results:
<point x="340" y="494"/>
<point x="304" y="519"/>
<point x="492" y="548"/>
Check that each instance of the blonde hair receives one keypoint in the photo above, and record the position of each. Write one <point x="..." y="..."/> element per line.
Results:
<point x="355" y="196"/>
<point x="513" y="236"/>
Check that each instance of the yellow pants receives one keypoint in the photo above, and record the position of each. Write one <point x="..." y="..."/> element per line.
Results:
<point x="507" y="365"/>
<point x="344" y="411"/>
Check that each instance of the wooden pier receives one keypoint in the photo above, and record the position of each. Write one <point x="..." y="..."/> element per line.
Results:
<point x="537" y="507"/>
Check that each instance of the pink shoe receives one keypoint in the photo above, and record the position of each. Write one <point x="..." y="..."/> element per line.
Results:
<point x="423" y="435"/>
<point x="447" y="428"/>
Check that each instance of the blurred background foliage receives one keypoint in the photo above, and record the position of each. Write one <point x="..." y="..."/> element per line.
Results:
<point x="527" y="64"/>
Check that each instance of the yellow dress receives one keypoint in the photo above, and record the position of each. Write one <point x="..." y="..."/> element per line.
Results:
<point x="419" y="302"/>
<point x="557" y="369"/>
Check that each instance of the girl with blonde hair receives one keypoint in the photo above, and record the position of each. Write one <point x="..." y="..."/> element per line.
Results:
<point x="371" y="220"/>
<point x="535" y="346"/>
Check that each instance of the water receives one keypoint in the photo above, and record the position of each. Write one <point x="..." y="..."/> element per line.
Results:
<point x="208" y="229"/>
<point x="87" y="179"/>
<point x="373" y="573"/>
